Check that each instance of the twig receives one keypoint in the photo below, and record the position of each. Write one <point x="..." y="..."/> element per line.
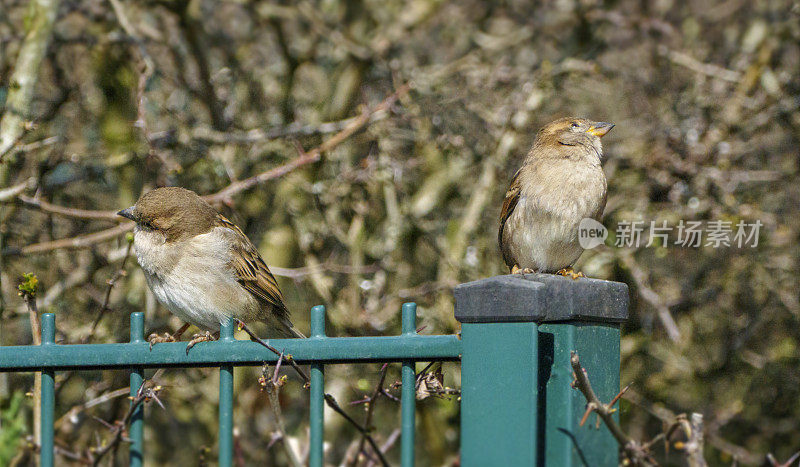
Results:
<point x="105" y="397"/>
<point x="13" y="191"/>
<point x="272" y="387"/>
<point x="393" y="437"/>
<point x="81" y="241"/>
<point x="301" y="272"/>
<point x="28" y="289"/>
<point x="144" y="394"/>
<point x="371" y="402"/>
<point x="651" y="297"/>
<point x="117" y="275"/>
<point x="708" y="69"/>
<point x="630" y="447"/>
<point x="693" y="448"/>
<point x="38" y="203"/>
<point x="294" y="129"/>
<point x="281" y="356"/>
<point x="309" y="157"/>
<point x="331" y="401"/>
<point x="774" y="462"/>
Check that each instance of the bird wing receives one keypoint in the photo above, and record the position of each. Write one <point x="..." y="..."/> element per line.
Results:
<point x="509" y="203"/>
<point x="252" y="272"/>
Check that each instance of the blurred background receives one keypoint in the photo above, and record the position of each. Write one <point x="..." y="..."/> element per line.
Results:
<point x="103" y="100"/>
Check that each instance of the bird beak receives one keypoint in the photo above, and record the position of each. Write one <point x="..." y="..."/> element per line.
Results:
<point x="128" y="213"/>
<point x="599" y="129"/>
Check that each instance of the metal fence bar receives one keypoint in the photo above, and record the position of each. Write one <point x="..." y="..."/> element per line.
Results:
<point x="317" y="394"/>
<point x="408" y="390"/>
<point x="237" y="352"/>
<point x="226" y="401"/>
<point x="48" y="395"/>
<point x="136" y="430"/>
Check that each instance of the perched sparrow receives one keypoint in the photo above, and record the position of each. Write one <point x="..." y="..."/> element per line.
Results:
<point x="201" y="266"/>
<point x="560" y="183"/>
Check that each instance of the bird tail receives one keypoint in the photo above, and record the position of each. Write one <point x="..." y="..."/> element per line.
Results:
<point x="296" y="333"/>
<point x="287" y="329"/>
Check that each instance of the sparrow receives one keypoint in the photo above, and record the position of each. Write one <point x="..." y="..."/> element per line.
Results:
<point x="202" y="267"/>
<point x="560" y="183"/>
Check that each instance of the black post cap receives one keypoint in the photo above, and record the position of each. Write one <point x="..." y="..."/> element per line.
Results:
<point x="541" y="298"/>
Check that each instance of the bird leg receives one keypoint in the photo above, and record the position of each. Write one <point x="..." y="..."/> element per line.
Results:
<point x="515" y="269"/>
<point x="569" y="272"/>
<point x="204" y="337"/>
<point x="154" y="338"/>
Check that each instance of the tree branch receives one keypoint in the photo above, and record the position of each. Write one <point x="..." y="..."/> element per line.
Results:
<point x="331" y="402"/>
<point x="309" y="157"/>
<point x="630" y="447"/>
<point x="67" y="212"/>
<point x="81" y="241"/>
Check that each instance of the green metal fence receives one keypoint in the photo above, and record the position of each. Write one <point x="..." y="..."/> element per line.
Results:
<point x="517" y="407"/>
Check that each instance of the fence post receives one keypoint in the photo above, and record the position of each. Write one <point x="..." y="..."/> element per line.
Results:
<point x="518" y="406"/>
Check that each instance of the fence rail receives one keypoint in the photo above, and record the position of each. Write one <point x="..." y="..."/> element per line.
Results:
<point x="517" y="407"/>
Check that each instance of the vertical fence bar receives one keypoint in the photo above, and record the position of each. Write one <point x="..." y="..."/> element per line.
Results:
<point x="317" y="393"/>
<point x="46" y="456"/>
<point x="136" y="431"/>
<point x="226" y="401"/>
<point x="408" y="391"/>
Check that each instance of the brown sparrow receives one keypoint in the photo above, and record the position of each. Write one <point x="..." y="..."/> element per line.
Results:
<point x="201" y="266"/>
<point x="560" y="183"/>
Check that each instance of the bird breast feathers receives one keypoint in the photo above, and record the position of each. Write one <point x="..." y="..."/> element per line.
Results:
<point x="565" y="190"/>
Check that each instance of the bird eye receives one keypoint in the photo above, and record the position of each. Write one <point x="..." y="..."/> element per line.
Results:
<point x="575" y="125"/>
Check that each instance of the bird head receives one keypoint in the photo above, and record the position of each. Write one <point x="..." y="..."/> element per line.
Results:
<point x="173" y="212"/>
<point x="556" y="138"/>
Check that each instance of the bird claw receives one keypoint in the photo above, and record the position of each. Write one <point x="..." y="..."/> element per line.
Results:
<point x="518" y="270"/>
<point x="197" y="338"/>
<point x="154" y="338"/>
<point x="569" y="272"/>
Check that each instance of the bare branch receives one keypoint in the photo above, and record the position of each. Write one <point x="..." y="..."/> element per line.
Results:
<point x="310" y="157"/>
<point x="288" y="358"/>
<point x="13" y="191"/>
<point x="272" y="387"/>
<point x="331" y="401"/>
<point x="651" y="297"/>
<point x="295" y="129"/>
<point x="120" y="273"/>
<point x="371" y="402"/>
<point x="630" y="447"/>
<point x="144" y="394"/>
<point x="708" y="69"/>
<point x="81" y="241"/>
<point x="68" y="212"/>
